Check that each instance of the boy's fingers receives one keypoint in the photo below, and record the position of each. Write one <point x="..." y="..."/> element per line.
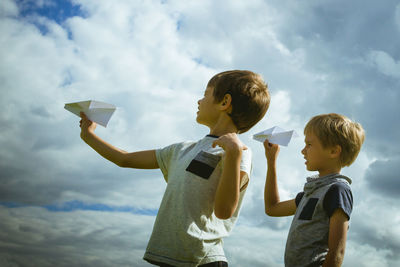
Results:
<point x="267" y="143"/>
<point x="214" y="143"/>
<point x="217" y="143"/>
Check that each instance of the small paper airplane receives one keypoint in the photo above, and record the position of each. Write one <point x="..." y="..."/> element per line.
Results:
<point x="275" y="135"/>
<point x="96" y="111"/>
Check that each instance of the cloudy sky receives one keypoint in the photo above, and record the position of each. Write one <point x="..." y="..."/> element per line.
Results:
<point x="63" y="205"/>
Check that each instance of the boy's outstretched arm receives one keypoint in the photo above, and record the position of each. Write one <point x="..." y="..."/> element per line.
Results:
<point x="338" y="225"/>
<point x="273" y="205"/>
<point x="228" y="191"/>
<point x="140" y="160"/>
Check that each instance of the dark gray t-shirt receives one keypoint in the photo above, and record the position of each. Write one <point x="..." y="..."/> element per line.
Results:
<point x="339" y="196"/>
<point x="307" y="243"/>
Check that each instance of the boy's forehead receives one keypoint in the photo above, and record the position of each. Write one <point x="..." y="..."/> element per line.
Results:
<point x="209" y="89"/>
<point x="310" y="136"/>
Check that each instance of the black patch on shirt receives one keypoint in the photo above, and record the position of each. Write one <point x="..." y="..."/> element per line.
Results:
<point x="308" y="210"/>
<point x="298" y="198"/>
<point x="203" y="164"/>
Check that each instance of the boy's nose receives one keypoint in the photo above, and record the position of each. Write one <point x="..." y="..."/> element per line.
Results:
<point x="303" y="151"/>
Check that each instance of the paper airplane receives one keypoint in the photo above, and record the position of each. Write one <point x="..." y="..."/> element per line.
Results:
<point x="275" y="135"/>
<point x="96" y="111"/>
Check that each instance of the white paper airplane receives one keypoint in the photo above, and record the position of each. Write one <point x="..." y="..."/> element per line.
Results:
<point x="275" y="135"/>
<point x="96" y="111"/>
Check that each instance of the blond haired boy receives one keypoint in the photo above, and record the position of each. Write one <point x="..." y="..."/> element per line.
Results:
<point x="206" y="179"/>
<point x="317" y="236"/>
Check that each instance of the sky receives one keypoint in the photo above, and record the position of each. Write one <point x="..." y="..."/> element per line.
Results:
<point x="61" y="204"/>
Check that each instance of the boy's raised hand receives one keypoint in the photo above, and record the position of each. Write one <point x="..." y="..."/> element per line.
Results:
<point x="271" y="151"/>
<point x="230" y="143"/>
<point x="87" y="126"/>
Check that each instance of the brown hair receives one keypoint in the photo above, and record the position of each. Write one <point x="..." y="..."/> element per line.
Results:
<point x="249" y="93"/>
<point x="335" y="129"/>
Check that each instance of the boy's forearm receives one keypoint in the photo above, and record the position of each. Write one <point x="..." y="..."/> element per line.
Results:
<point x="338" y="225"/>
<point x="105" y="149"/>
<point x="271" y="192"/>
<point x="228" y="191"/>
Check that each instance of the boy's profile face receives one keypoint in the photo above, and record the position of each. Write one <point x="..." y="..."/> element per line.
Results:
<point x="317" y="157"/>
<point x="208" y="111"/>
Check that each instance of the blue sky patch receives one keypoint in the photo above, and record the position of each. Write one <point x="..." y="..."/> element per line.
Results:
<point x="55" y="10"/>
<point x="79" y="205"/>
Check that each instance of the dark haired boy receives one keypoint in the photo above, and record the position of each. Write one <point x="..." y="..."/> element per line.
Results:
<point x="206" y="180"/>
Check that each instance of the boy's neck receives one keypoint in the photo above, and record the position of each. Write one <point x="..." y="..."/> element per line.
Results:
<point x="326" y="172"/>
<point x="224" y="125"/>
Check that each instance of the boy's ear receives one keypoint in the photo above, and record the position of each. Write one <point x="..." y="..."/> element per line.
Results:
<point x="335" y="151"/>
<point x="226" y="102"/>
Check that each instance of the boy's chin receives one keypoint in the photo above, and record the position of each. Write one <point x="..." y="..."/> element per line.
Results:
<point x="199" y="121"/>
<point x="310" y="169"/>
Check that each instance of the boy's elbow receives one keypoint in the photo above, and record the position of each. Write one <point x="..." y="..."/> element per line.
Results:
<point x="223" y="215"/>
<point x="269" y="211"/>
<point x="225" y="208"/>
<point x="121" y="162"/>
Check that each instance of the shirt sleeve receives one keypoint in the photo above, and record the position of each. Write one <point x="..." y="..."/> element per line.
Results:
<point x="245" y="163"/>
<point x="298" y="198"/>
<point x="246" y="166"/>
<point x="339" y="196"/>
<point x="164" y="156"/>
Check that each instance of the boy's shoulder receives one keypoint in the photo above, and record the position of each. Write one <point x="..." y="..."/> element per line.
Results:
<point x="204" y="144"/>
<point x="339" y="195"/>
<point x="339" y="187"/>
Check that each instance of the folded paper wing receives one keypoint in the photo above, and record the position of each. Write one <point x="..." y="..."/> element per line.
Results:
<point x="96" y="111"/>
<point x="275" y="135"/>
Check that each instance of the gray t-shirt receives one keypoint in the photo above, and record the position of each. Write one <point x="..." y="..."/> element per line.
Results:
<point x="186" y="231"/>
<point x="307" y="242"/>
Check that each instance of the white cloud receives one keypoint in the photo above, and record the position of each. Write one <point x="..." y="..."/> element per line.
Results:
<point x="8" y="8"/>
<point x="153" y="60"/>
<point x="365" y="256"/>
<point x="36" y="237"/>
<point x="263" y="246"/>
<point x="385" y="63"/>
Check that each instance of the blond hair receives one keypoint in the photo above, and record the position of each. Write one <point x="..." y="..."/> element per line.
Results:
<point x="335" y="129"/>
<point x="250" y="96"/>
